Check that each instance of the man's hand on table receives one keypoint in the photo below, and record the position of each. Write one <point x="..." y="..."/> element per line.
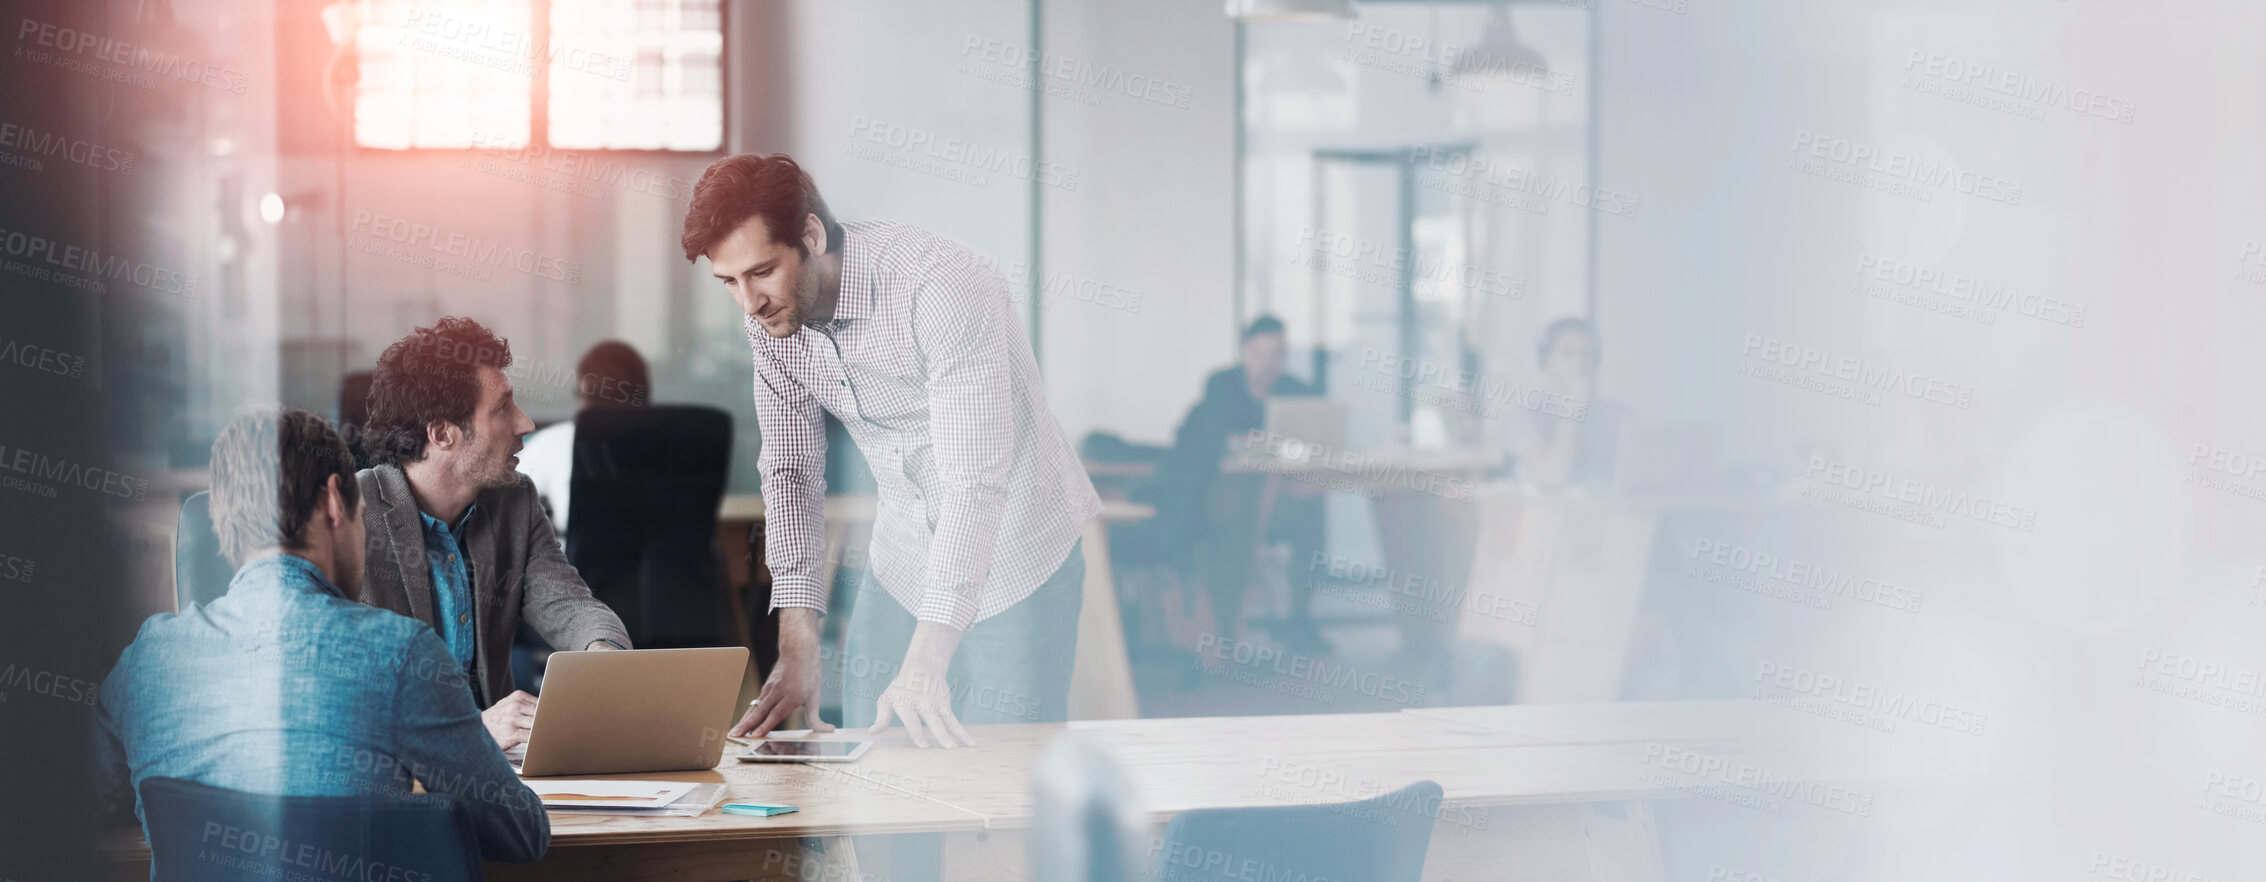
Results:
<point x="508" y="721"/>
<point x="920" y="695"/>
<point x="794" y="681"/>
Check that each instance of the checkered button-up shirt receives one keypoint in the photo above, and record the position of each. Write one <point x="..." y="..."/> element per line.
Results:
<point x="926" y="364"/>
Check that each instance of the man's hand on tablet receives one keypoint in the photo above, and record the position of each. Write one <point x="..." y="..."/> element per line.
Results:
<point x="794" y="681"/>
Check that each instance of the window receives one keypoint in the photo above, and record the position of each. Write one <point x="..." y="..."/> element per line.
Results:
<point x="574" y="74"/>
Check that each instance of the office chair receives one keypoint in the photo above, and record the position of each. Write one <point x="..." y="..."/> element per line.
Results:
<point x="1381" y="839"/>
<point x="199" y="833"/>
<point x="1085" y="823"/>
<point x="646" y="484"/>
<point x="200" y="574"/>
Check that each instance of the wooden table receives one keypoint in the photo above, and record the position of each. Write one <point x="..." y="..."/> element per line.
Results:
<point x="1560" y="792"/>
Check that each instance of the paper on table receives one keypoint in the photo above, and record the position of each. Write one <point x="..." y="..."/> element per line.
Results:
<point x="607" y="794"/>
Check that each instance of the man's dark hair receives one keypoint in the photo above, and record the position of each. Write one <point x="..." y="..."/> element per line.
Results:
<point x="1265" y="324"/>
<point x="430" y="376"/>
<point x="612" y="373"/>
<point x="1562" y="327"/>
<point x="770" y="186"/>
<point x="269" y="467"/>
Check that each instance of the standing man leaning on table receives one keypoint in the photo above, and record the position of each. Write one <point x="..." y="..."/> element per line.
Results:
<point x="457" y="539"/>
<point x="970" y="609"/>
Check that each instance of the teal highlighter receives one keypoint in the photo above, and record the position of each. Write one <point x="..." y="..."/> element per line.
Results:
<point x="753" y="808"/>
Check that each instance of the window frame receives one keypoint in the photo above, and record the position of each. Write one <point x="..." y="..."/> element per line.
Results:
<point x="539" y="115"/>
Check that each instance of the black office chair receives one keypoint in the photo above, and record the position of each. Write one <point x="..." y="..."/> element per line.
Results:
<point x="642" y="529"/>
<point x="199" y="833"/>
<point x="1381" y="839"/>
<point x="200" y="574"/>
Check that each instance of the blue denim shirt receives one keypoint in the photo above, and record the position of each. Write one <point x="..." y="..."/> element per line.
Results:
<point x="452" y="585"/>
<point x="284" y="686"/>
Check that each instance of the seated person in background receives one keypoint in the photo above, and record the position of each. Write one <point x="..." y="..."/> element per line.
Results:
<point x="286" y="685"/>
<point x="1573" y="439"/>
<point x="1234" y="403"/>
<point x="611" y="374"/>
<point x="457" y="539"/>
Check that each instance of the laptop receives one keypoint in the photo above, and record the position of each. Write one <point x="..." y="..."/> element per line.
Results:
<point x="1312" y="419"/>
<point x="640" y="710"/>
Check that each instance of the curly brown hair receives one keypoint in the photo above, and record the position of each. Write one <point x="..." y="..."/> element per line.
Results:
<point x="431" y="376"/>
<point x="269" y="467"/>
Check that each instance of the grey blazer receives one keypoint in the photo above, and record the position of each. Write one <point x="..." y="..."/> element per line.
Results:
<point x="517" y="571"/>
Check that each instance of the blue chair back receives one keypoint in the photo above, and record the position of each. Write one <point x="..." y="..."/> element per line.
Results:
<point x="199" y="833"/>
<point x="1381" y="839"/>
<point x="200" y="574"/>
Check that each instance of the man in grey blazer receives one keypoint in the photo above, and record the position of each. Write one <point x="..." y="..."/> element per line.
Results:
<point x="456" y="537"/>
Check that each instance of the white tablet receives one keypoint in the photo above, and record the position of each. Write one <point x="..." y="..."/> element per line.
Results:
<point x="769" y="751"/>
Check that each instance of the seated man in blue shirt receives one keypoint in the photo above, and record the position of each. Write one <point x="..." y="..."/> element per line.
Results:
<point x="286" y="685"/>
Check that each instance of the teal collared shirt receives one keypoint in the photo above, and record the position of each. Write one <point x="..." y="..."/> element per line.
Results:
<point x="452" y="584"/>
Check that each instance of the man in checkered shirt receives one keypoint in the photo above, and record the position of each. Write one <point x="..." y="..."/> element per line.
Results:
<point x="969" y="610"/>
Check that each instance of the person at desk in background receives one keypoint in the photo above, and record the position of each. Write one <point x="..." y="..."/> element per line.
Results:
<point x="265" y="689"/>
<point x="611" y="374"/>
<point x="1234" y="404"/>
<point x="1573" y="439"/>
<point x="457" y="539"/>
<point x="911" y="341"/>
